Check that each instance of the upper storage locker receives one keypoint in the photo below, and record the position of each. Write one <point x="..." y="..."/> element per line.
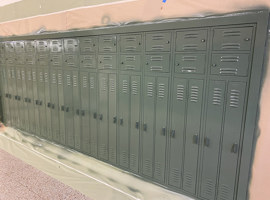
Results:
<point x="158" y="42"/>
<point x="107" y="44"/>
<point x="42" y="46"/>
<point x="130" y="43"/>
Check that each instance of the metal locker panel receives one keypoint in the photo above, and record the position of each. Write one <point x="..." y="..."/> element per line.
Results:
<point x="123" y="120"/>
<point x="56" y="46"/>
<point x="162" y="93"/>
<point x="107" y="61"/>
<point x="112" y="114"/>
<point x="103" y="117"/>
<point x="24" y="99"/>
<point x="135" y="122"/>
<point x="88" y="44"/>
<point x="67" y="108"/>
<point x="42" y="46"/>
<point x="71" y="45"/>
<point x="193" y="40"/>
<point x="211" y="142"/>
<point x="231" y="136"/>
<point x="88" y="61"/>
<point x="19" y="99"/>
<point x="9" y="47"/>
<point x="107" y="43"/>
<point x="47" y="102"/>
<point x="2" y="48"/>
<point x="158" y="41"/>
<point x="31" y="112"/>
<point x="76" y="108"/>
<point x="30" y="46"/>
<point x="36" y="101"/>
<point x="190" y="63"/>
<point x="10" y="59"/>
<point x="42" y="59"/>
<point x="5" y="95"/>
<point x="157" y="63"/>
<point x="70" y="60"/>
<point x="9" y="95"/>
<point x="148" y="126"/>
<point x="93" y="114"/>
<point x="177" y="132"/>
<point x="193" y="122"/>
<point x="19" y="46"/>
<point x="20" y="59"/>
<point x="16" y="122"/>
<point x="230" y="64"/>
<point x="30" y="59"/>
<point x="2" y="59"/>
<point x="56" y="60"/>
<point x="130" y="62"/>
<point x="61" y="103"/>
<point x="232" y="38"/>
<point x="130" y="43"/>
<point x="54" y="105"/>
<point x="85" y="120"/>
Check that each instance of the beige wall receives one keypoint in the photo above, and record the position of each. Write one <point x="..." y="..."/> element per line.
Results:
<point x="85" y="13"/>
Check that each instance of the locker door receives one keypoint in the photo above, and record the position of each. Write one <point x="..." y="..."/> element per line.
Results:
<point x="112" y="115"/>
<point x="103" y="117"/>
<point x="36" y="102"/>
<point x="61" y="103"/>
<point x="21" y="121"/>
<point x="148" y="126"/>
<point x="24" y="100"/>
<point x="134" y="140"/>
<point x="230" y="146"/>
<point x="67" y="108"/>
<point x="178" y="116"/>
<point x="76" y="108"/>
<point x="5" y="95"/>
<point x="54" y="106"/>
<point x="214" y="116"/>
<point x="10" y="93"/>
<point x="84" y="86"/>
<point x="15" y="112"/>
<point x="31" y="112"/>
<point x="93" y="114"/>
<point x="160" y="128"/>
<point x="47" y="103"/>
<point x="124" y="112"/>
<point x="195" y="91"/>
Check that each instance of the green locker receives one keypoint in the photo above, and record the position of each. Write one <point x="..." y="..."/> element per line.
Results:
<point x="47" y="103"/>
<point x="11" y="95"/>
<point x="31" y="113"/>
<point x="24" y="99"/>
<point x="5" y="95"/>
<point x="8" y="94"/>
<point x="16" y="120"/>
<point x="60" y="89"/>
<point x="19" y="99"/>
<point x="36" y="102"/>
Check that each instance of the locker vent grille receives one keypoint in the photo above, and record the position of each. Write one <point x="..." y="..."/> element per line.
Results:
<point x="180" y="92"/>
<point x="188" y="180"/>
<point x="18" y="75"/>
<point x="54" y="78"/>
<point x="29" y="76"/>
<point x="224" y="192"/>
<point x="92" y="82"/>
<point x="40" y="76"/>
<point x="229" y="33"/>
<point x="74" y="81"/>
<point x="209" y="188"/>
<point x="46" y="77"/>
<point x="217" y="96"/>
<point x="59" y="79"/>
<point x="84" y="81"/>
<point x="34" y="76"/>
<point x="134" y="87"/>
<point x="191" y="35"/>
<point x="161" y="90"/>
<point x="147" y="166"/>
<point x="133" y="160"/>
<point x="112" y="154"/>
<point x="125" y="86"/>
<point x="9" y="74"/>
<point x="175" y="176"/>
<point x="124" y="158"/>
<point x="157" y="171"/>
<point x="23" y="75"/>
<point x="234" y="98"/>
<point x="104" y="84"/>
<point x="194" y="94"/>
<point x="150" y="89"/>
<point x="68" y="80"/>
<point x="130" y="58"/>
<point x="12" y="73"/>
<point x="112" y="85"/>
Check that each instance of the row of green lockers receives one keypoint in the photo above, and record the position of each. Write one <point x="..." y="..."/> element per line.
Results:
<point x="144" y="122"/>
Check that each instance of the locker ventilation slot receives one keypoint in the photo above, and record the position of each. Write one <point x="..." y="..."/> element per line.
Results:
<point x="231" y="33"/>
<point x="175" y="176"/>
<point x="191" y="35"/>
<point x="234" y="98"/>
<point x="59" y="79"/>
<point x="130" y="58"/>
<point x="104" y="83"/>
<point x="134" y="87"/>
<point x="125" y="86"/>
<point x="209" y="188"/>
<point x="74" y="81"/>
<point x="46" y="77"/>
<point x="124" y="158"/>
<point x="194" y="94"/>
<point x="92" y="82"/>
<point x="189" y="58"/>
<point x="187" y="180"/>
<point x="84" y="81"/>
<point x="68" y="80"/>
<point x="18" y="75"/>
<point x="180" y="92"/>
<point x="157" y="37"/>
<point x="161" y="90"/>
<point x="133" y="160"/>
<point x="157" y="172"/>
<point x="112" y="85"/>
<point x="147" y="166"/>
<point x="112" y="153"/>
<point x="229" y="58"/>
<point x="34" y="76"/>
<point x="130" y="39"/>
<point x="41" y="77"/>
<point x="190" y="47"/>
<point x="23" y="75"/>
<point x="230" y="46"/>
<point x="54" y="78"/>
<point x="150" y="89"/>
<point x="224" y="192"/>
<point x="217" y="96"/>
<point x="29" y="76"/>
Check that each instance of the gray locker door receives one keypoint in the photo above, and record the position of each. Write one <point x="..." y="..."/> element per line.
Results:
<point x="10" y="90"/>
<point x="178" y="116"/>
<point x="24" y="99"/>
<point x="103" y="117"/>
<point x="161" y="128"/>
<point x="76" y="108"/>
<point x="54" y="106"/>
<point x="195" y="91"/>
<point x="213" y="130"/>
<point x="67" y="108"/>
<point x="5" y="94"/>
<point x="123" y="121"/>
<point x="47" y="103"/>
<point x="61" y="103"/>
<point x="93" y="114"/>
<point x="41" y="103"/>
<point x="230" y="146"/>
<point x="36" y="101"/>
<point x="148" y="126"/>
<point x="134" y="140"/>
<point x="84" y="86"/>
<point x="19" y="99"/>
<point x="31" y="112"/>
<point x="15" y="119"/>
<point x="112" y="115"/>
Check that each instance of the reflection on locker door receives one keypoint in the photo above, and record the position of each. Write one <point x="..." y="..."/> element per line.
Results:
<point x="36" y="102"/>
<point x="47" y="103"/>
<point x="61" y="104"/>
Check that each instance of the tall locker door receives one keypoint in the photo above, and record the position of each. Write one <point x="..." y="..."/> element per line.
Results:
<point x="177" y="132"/>
<point x="123" y="128"/>
<point x="103" y="117"/>
<point x="61" y="103"/>
<point x="30" y="100"/>
<point x="41" y="103"/>
<point x="67" y="108"/>
<point x="134" y="140"/>
<point x="195" y="91"/>
<point x="148" y="126"/>
<point x="231" y="136"/>
<point x="36" y="102"/>
<point x="161" y="128"/>
<point x="47" y="103"/>
<point x="54" y="106"/>
<point x="213" y="129"/>
<point x="76" y="108"/>
<point x="19" y="99"/>
<point x="24" y="99"/>
<point x="10" y="95"/>
<point x="5" y="95"/>
<point x="84" y="87"/>
<point x="93" y="114"/>
<point x="15" y="112"/>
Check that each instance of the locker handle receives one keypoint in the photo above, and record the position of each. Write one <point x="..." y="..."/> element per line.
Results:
<point x="40" y="103"/>
<point x="25" y="99"/>
<point x="95" y="115"/>
<point x="100" y="117"/>
<point x="67" y="109"/>
<point x="19" y="98"/>
<point x="10" y="96"/>
<point x="29" y="100"/>
<point x="49" y="105"/>
<point x="78" y="112"/>
<point x="137" y="124"/>
<point x="37" y="102"/>
<point x="195" y="139"/>
<point x="82" y="112"/>
<point x="114" y="120"/>
<point x="234" y="148"/>
<point x="6" y="95"/>
<point x="206" y="142"/>
<point x="173" y="133"/>
<point x="121" y="121"/>
<point x="16" y="97"/>
<point x="145" y="127"/>
<point x="52" y="106"/>
<point x="164" y="131"/>
<point x="62" y="108"/>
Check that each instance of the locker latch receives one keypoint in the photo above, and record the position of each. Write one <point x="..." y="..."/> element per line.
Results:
<point x="195" y="139"/>
<point x="49" y="105"/>
<point x="114" y="120"/>
<point x="163" y="131"/>
<point x="121" y="121"/>
<point x="62" y="108"/>
<point x="95" y="115"/>
<point x="82" y="112"/>
<point x="137" y="124"/>
<point x="37" y="102"/>
<point x="100" y="117"/>
<point x="67" y="109"/>
<point x="206" y="142"/>
<point x="145" y="127"/>
<point x="234" y="148"/>
<point x="173" y="133"/>
<point x="78" y="112"/>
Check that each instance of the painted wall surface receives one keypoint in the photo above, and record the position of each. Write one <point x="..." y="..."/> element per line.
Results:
<point x="28" y="16"/>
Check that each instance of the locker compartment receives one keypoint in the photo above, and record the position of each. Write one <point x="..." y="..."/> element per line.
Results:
<point x="2" y="48"/>
<point x="24" y="97"/>
<point x="9" y="47"/>
<point x="29" y="100"/>
<point x="157" y="63"/>
<point x="47" y="104"/>
<point x="61" y="103"/>
<point x="107" y="43"/>
<point x="70" y="60"/>
<point x="30" y="59"/>
<point x="230" y="64"/>
<point x="19" y="99"/>
<point x="36" y="102"/>
<point x="193" y="40"/>
<point x="30" y="46"/>
<point x="88" y="45"/>
<point x="56" y="46"/>
<point x="19" y="46"/>
<point x="42" y="59"/>
<point x="107" y="61"/>
<point x="10" y="59"/>
<point x="190" y="63"/>
<point x="56" y="60"/>
<point x="20" y="59"/>
<point x="71" y="45"/>
<point x="87" y="61"/>
<point x="227" y="39"/>
<point x="42" y="46"/>
<point x="130" y="43"/>
<point x="130" y="62"/>
<point x="158" y="41"/>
